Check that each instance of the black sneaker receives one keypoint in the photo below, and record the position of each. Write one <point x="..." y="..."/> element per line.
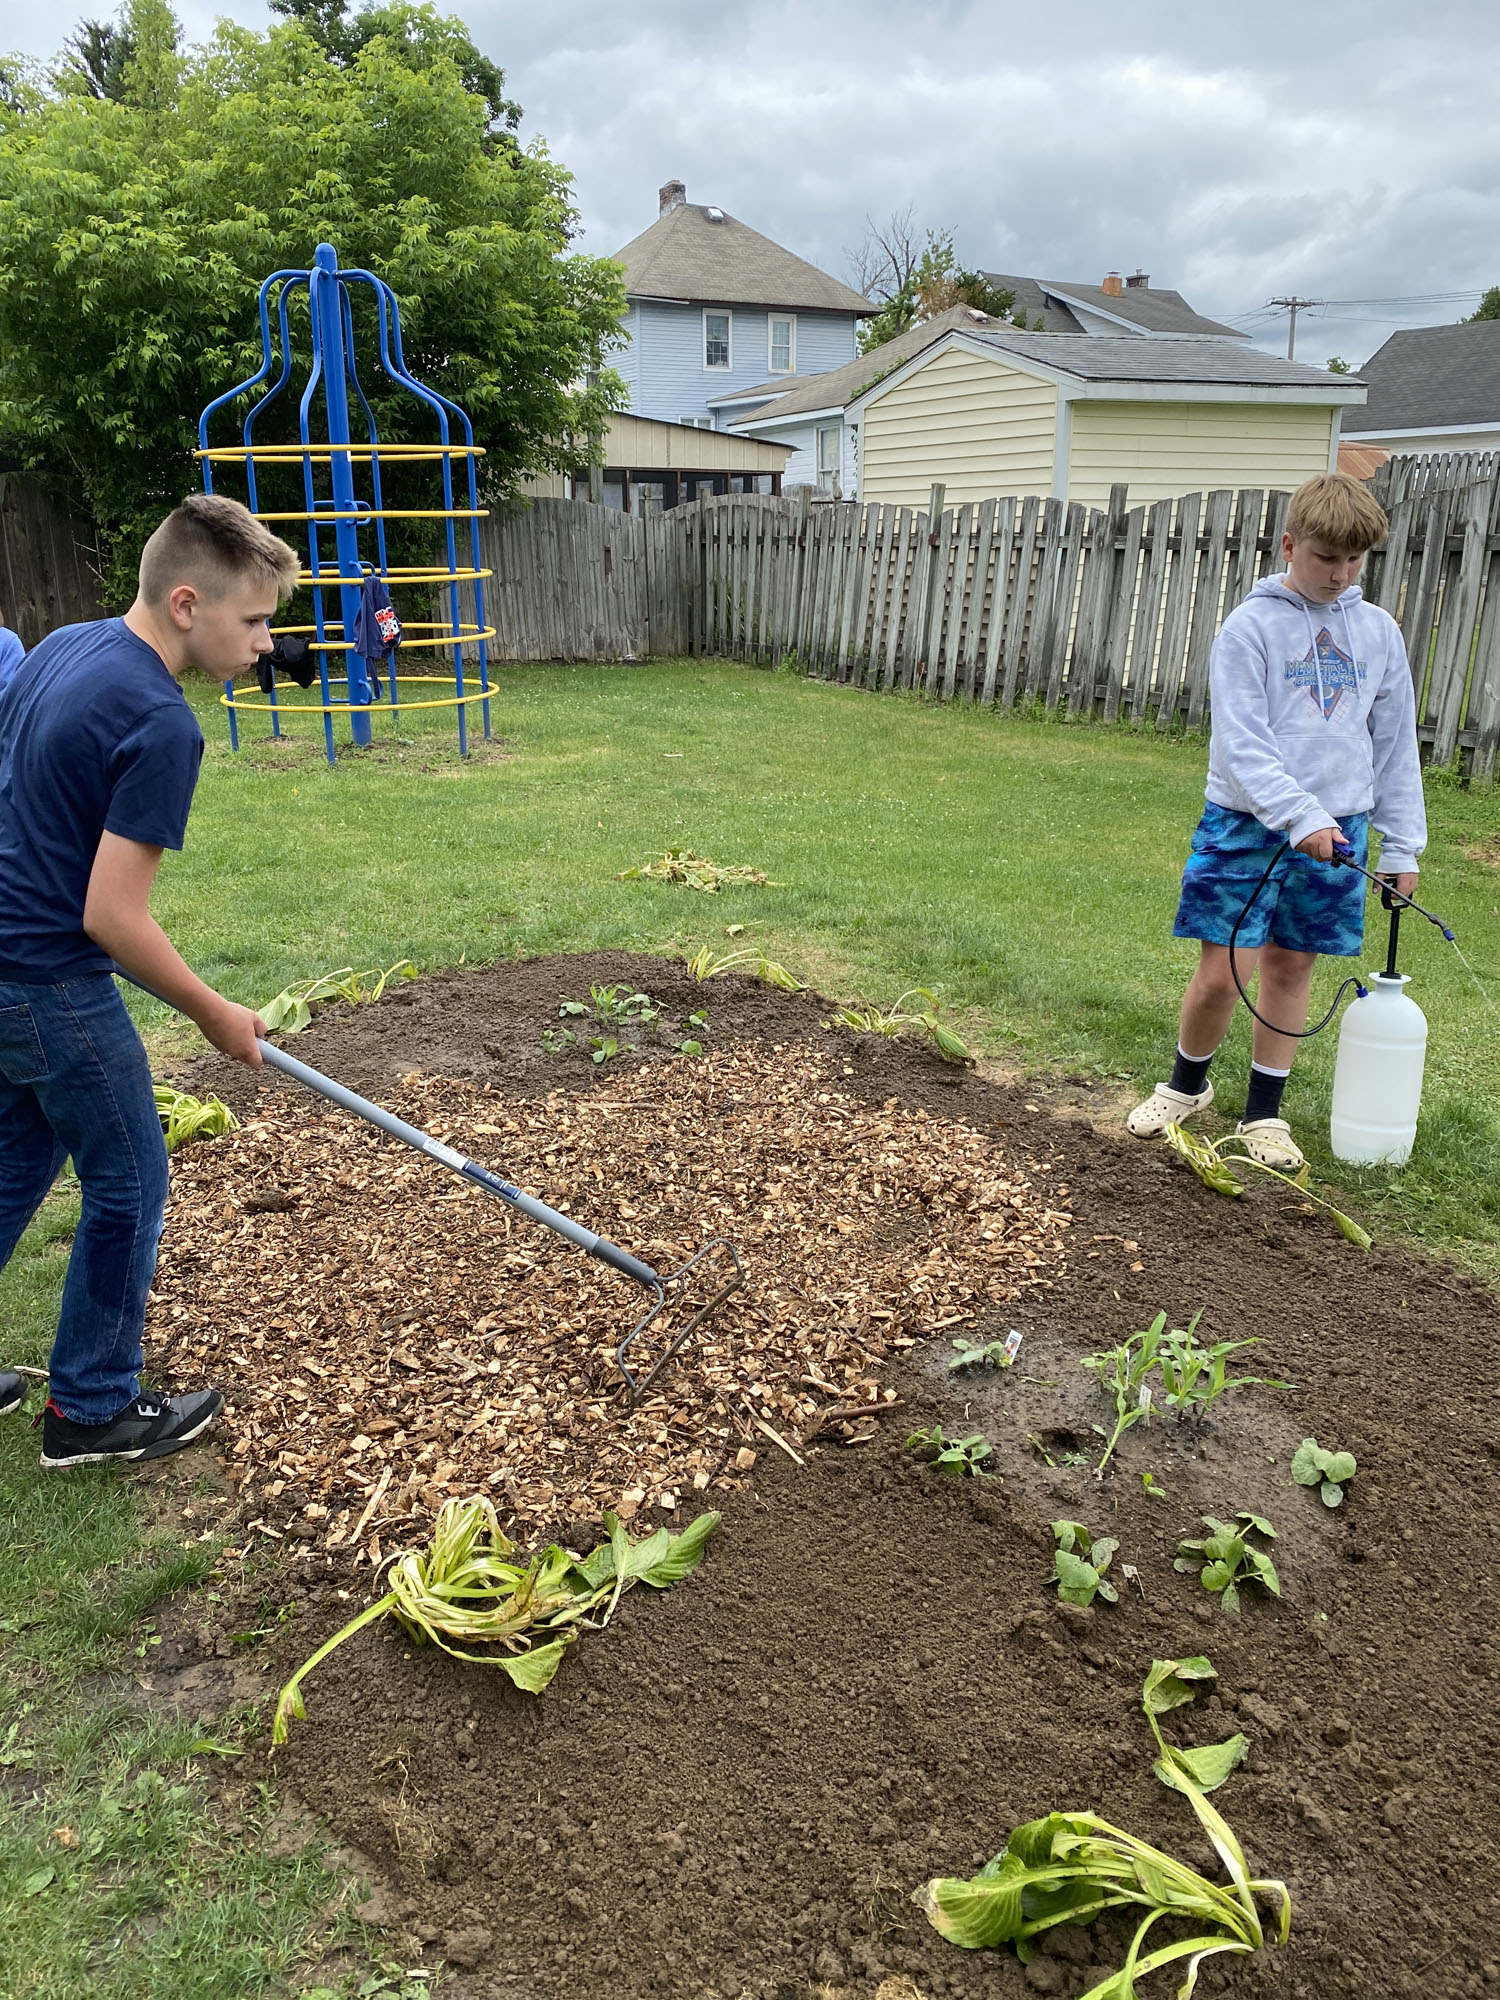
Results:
<point x="149" y="1427"/>
<point x="12" y="1391"/>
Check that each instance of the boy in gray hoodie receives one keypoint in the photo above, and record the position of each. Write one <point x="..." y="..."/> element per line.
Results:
<point x="1313" y="741"/>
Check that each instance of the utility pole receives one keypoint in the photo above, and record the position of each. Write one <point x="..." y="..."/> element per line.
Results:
<point x="1294" y="306"/>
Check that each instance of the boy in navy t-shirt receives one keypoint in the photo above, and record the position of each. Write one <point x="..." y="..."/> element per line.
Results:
<point x="99" y="755"/>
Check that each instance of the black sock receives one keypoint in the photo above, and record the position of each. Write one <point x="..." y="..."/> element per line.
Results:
<point x="1263" y="1099"/>
<point x="1189" y="1073"/>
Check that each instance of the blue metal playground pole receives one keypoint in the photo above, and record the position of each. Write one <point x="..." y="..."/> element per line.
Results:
<point x="328" y="339"/>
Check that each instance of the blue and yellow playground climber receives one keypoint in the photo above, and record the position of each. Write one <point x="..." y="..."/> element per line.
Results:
<point x="363" y="624"/>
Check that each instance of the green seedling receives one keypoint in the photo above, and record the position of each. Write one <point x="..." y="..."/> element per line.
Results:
<point x="898" y="1020"/>
<point x="688" y="1048"/>
<point x="1329" y="1471"/>
<point x="464" y="1590"/>
<point x="991" y="1354"/>
<point x="612" y="1004"/>
<point x="1060" y="1457"/>
<point x="680" y="864"/>
<point x="604" y="1047"/>
<point x="555" y="1040"/>
<point x="1079" y="1564"/>
<point x="698" y="1021"/>
<point x="1216" y="1165"/>
<point x="184" y="1117"/>
<point x="291" y="1011"/>
<point x="960" y="1456"/>
<point x="1154" y="1491"/>
<point x="1226" y="1558"/>
<point x="1122" y="1371"/>
<point x="1069" y="1867"/>
<point x="704" y="965"/>
<point x="1194" y="1377"/>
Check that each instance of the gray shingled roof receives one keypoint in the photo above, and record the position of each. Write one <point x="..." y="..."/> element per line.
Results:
<point x="1153" y="308"/>
<point x="685" y="256"/>
<point x="1125" y="357"/>
<point x="838" y="386"/>
<point x="1432" y="375"/>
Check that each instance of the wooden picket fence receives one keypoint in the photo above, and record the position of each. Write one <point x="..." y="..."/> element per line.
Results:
<point x="49" y="562"/>
<point x="1408" y="476"/>
<point x="1106" y="612"/>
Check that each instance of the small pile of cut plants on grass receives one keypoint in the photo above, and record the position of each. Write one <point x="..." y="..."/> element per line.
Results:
<point x="680" y="864"/>
<point x="463" y="1590"/>
<point x="1070" y="1866"/>
<point x="390" y="1337"/>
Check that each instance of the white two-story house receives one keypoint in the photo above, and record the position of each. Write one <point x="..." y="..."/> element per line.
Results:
<point x="716" y="308"/>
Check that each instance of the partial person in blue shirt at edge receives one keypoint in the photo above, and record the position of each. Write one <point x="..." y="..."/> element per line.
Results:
<point x="12" y="652"/>
<point x="99" y="756"/>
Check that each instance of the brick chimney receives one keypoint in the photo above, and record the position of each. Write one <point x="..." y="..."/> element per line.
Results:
<point x="1137" y="282"/>
<point x="673" y="195"/>
<point x="1112" y="288"/>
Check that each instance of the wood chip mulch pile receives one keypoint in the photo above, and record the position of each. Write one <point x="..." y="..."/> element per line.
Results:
<point x="388" y="1336"/>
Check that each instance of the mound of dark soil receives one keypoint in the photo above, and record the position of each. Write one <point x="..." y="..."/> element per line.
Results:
<point x="734" y="1790"/>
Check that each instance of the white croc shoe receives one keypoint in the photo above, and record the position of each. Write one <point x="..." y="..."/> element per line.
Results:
<point x="1269" y="1141"/>
<point x="1166" y="1106"/>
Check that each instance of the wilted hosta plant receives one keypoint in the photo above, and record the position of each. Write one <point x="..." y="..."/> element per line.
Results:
<point x="1329" y="1471"/>
<point x="184" y="1117"/>
<point x="463" y="1590"/>
<point x="1068" y="1867"/>
<point x="291" y="1011"/>
<point x="1213" y="1161"/>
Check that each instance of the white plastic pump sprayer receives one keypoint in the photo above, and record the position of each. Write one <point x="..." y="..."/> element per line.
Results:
<point x="1377" y="1080"/>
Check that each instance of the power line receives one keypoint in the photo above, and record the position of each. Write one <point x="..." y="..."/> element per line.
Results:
<point x="1294" y="306"/>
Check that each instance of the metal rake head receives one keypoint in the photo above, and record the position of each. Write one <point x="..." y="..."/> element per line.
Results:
<point x="638" y="1384"/>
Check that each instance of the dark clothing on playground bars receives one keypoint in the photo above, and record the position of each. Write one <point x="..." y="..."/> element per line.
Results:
<point x="95" y="737"/>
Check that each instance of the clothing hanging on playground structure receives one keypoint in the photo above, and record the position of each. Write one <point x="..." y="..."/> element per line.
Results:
<point x="292" y="656"/>
<point x="377" y="629"/>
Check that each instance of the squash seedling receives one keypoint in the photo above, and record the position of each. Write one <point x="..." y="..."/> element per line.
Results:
<point x="1068" y="1867"/>
<point x="1329" y="1471"/>
<point x="611" y="1004"/>
<point x="1226" y="1557"/>
<point x="990" y="1354"/>
<point x="961" y="1456"/>
<point x="1213" y="1161"/>
<point x="184" y="1117"/>
<point x="1079" y="1563"/>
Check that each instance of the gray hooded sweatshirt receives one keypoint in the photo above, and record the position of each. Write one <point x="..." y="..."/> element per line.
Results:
<point x="1313" y="718"/>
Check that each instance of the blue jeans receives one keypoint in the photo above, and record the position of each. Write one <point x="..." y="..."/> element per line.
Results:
<point x="74" y="1079"/>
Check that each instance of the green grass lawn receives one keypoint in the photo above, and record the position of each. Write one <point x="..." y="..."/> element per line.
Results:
<point x="1025" y="870"/>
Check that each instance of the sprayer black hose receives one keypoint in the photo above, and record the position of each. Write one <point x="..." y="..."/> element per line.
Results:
<point x="1292" y="1034"/>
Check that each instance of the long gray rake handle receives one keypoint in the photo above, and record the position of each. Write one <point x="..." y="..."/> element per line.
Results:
<point x="423" y="1142"/>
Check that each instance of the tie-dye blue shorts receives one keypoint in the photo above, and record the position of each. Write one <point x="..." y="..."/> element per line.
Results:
<point x="1306" y="906"/>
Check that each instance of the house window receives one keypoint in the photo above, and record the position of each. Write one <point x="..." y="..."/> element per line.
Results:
<point x="715" y="340"/>
<point x="782" y="359"/>
<point x="697" y="423"/>
<point x="828" y="456"/>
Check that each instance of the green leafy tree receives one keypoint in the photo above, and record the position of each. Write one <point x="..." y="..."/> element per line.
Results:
<point x="420" y="32"/>
<point x="1337" y="365"/>
<point x="135" y="230"/>
<point x="937" y="283"/>
<point x="1488" y="307"/>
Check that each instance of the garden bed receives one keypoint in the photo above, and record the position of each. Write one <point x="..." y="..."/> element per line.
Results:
<point x="733" y="1791"/>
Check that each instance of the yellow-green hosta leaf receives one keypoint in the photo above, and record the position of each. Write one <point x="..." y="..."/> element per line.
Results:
<point x="532" y="1671"/>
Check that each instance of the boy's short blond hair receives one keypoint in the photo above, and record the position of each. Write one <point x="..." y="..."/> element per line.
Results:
<point x="1339" y="512"/>
<point x="215" y="543"/>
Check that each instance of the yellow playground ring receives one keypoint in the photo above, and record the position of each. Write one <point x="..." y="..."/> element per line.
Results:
<point x="323" y="515"/>
<point x="322" y="454"/>
<point x="306" y="579"/>
<point x="443" y="634"/>
<point x="363" y="707"/>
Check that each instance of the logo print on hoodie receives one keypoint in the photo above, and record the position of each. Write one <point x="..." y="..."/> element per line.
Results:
<point x="1326" y="675"/>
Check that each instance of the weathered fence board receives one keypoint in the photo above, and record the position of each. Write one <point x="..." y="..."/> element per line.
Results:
<point x="49" y="562"/>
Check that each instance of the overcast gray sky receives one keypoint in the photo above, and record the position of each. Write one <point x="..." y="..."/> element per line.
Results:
<point x="1347" y="151"/>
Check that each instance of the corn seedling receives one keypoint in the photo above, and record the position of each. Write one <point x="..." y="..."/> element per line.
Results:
<point x="897" y="1020"/>
<point x="1194" y="1377"/>
<point x="1329" y="1471"/>
<point x="992" y="1354"/>
<point x="680" y="864"/>
<point x="464" y="1590"/>
<point x="1214" y="1163"/>
<point x="1068" y="1867"/>
<point x="184" y="1117"/>
<point x="1226" y="1558"/>
<point x="1079" y="1563"/>
<point x="291" y="1011"/>
<point x="960" y="1456"/>
<point x="704" y="965"/>
<point x="611" y="1004"/>
<point x="1122" y="1371"/>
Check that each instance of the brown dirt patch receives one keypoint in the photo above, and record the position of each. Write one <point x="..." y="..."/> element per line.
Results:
<point x="734" y="1790"/>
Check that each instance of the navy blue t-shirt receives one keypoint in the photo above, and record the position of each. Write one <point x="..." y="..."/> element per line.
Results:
<point x="96" y="737"/>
